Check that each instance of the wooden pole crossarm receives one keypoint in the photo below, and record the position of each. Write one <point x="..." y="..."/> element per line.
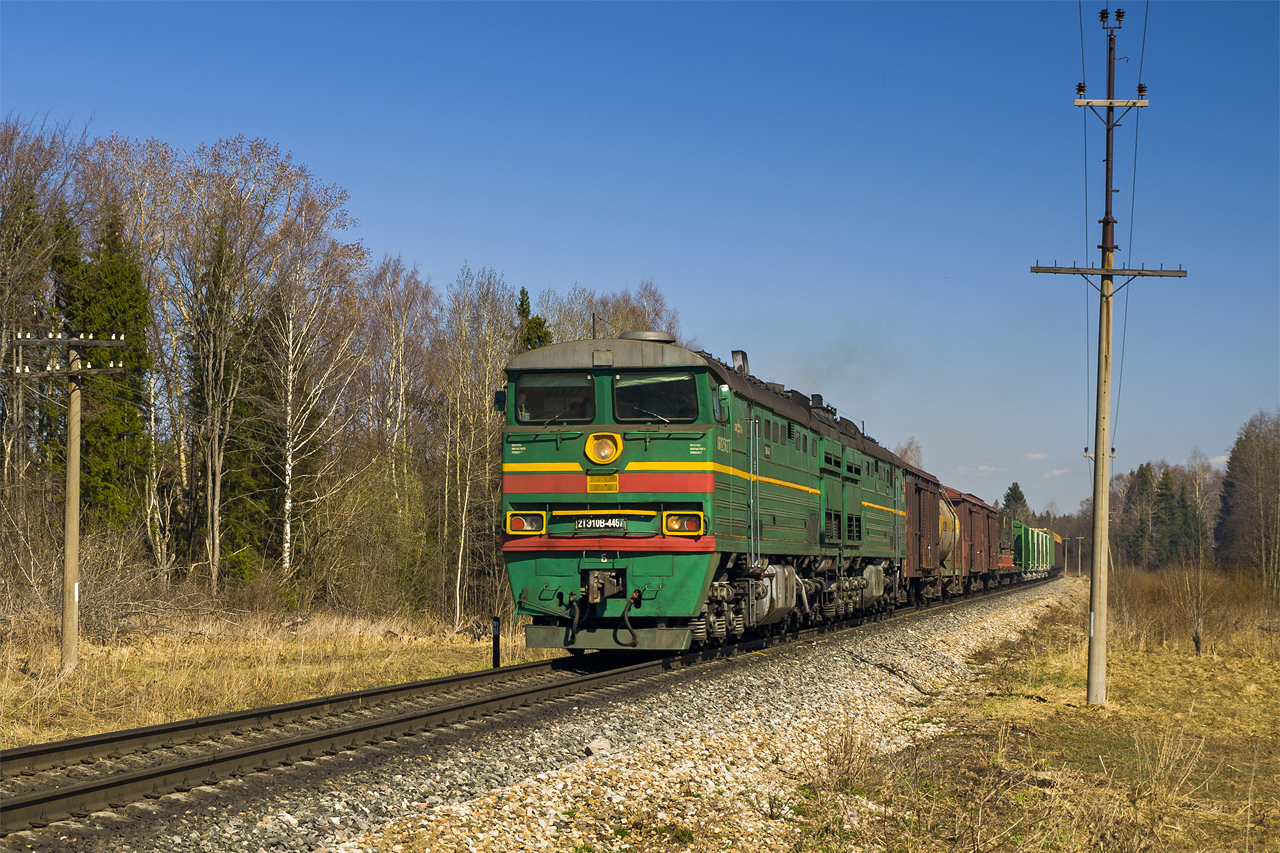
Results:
<point x="1106" y="103"/>
<point x="1128" y="275"/>
<point x="1115" y="272"/>
<point x="48" y="342"/>
<point x="96" y="371"/>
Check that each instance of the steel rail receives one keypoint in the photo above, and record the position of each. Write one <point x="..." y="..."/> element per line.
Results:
<point x="27" y="760"/>
<point x="39" y="808"/>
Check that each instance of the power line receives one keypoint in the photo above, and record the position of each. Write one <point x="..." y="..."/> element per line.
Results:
<point x="1133" y="195"/>
<point x="1084" y="118"/>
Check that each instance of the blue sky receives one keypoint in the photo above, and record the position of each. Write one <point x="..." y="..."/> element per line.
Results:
<point x="851" y="192"/>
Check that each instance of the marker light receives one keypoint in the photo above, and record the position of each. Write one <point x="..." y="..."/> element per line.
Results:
<point x="526" y="523"/>
<point x="683" y="523"/>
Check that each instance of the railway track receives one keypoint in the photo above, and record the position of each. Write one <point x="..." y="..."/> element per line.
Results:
<point x="44" y="783"/>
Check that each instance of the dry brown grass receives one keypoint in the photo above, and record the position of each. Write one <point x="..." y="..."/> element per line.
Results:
<point x="1183" y="757"/>
<point x="1155" y="610"/>
<point x="214" y="662"/>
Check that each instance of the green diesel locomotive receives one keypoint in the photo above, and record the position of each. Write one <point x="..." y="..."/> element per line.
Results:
<point x="658" y="498"/>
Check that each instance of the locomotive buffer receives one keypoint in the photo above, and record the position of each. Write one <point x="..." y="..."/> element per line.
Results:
<point x="1097" y="680"/>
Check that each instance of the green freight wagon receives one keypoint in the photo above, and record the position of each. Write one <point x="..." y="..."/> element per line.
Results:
<point x="1033" y="550"/>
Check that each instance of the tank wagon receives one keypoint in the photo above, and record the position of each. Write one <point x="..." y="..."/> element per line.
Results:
<point x="658" y="498"/>
<point x="985" y="558"/>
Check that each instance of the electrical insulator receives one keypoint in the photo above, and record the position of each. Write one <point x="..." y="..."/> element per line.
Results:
<point x="1103" y="15"/>
<point x="1119" y="15"/>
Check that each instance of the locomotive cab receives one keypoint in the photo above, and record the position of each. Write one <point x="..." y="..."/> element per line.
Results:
<point x="606" y="491"/>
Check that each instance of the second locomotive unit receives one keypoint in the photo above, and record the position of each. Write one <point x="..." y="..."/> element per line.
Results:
<point x="657" y="498"/>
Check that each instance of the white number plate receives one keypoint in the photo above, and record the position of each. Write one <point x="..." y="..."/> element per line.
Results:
<point x="595" y="523"/>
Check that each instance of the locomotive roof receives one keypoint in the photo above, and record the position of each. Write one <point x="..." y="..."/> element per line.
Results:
<point x="606" y="352"/>
<point x="632" y="353"/>
<point x="799" y="407"/>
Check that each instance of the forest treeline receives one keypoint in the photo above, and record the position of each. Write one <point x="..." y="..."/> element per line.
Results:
<point x="297" y="422"/>
<point x="1190" y="514"/>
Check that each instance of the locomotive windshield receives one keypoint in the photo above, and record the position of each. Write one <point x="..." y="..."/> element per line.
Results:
<point x="547" y="398"/>
<point x="649" y="397"/>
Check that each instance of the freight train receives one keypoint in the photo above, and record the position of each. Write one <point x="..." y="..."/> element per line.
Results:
<point x="657" y="498"/>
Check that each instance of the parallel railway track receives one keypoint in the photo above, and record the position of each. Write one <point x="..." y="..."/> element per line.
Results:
<point x="357" y="719"/>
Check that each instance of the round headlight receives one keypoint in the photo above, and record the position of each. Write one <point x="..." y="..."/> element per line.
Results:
<point x="673" y="522"/>
<point x="603" y="447"/>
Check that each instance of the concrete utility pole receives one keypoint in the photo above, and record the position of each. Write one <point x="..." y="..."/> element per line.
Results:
<point x="1103" y="451"/>
<point x="75" y="373"/>
<point x="71" y="522"/>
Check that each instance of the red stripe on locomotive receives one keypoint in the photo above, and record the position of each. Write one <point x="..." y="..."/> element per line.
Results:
<point x="628" y="482"/>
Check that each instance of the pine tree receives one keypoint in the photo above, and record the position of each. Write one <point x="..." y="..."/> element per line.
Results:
<point x="1248" y="529"/>
<point x="1166" y="533"/>
<point x="1138" y="527"/>
<point x="251" y="505"/>
<point x="106" y="295"/>
<point x="1194" y="537"/>
<point x="533" y="331"/>
<point x="1015" y="504"/>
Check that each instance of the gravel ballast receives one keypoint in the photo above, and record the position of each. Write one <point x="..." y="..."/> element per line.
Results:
<point x="713" y="753"/>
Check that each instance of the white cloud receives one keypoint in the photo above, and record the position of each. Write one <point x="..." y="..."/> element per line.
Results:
<point x="1219" y="460"/>
<point x="980" y="471"/>
<point x="1036" y="457"/>
<point x="1057" y="472"/>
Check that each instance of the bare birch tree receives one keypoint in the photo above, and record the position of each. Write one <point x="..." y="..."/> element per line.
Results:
<point x="475" y="340"/>
<point x="240" y="197"/>
<point x="399" y="305"/>
<point x="911" y="452"/>
<point x="568" y="314"/>
<point x="571" y="315"/>
<point x="1248" y="530"/>
<point x="37" y="166"/>
<point x="308" y="347"/>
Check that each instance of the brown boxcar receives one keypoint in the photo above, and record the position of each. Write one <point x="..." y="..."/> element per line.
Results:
<point x="978" y="550"/>
<point x="921" y="570"/>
